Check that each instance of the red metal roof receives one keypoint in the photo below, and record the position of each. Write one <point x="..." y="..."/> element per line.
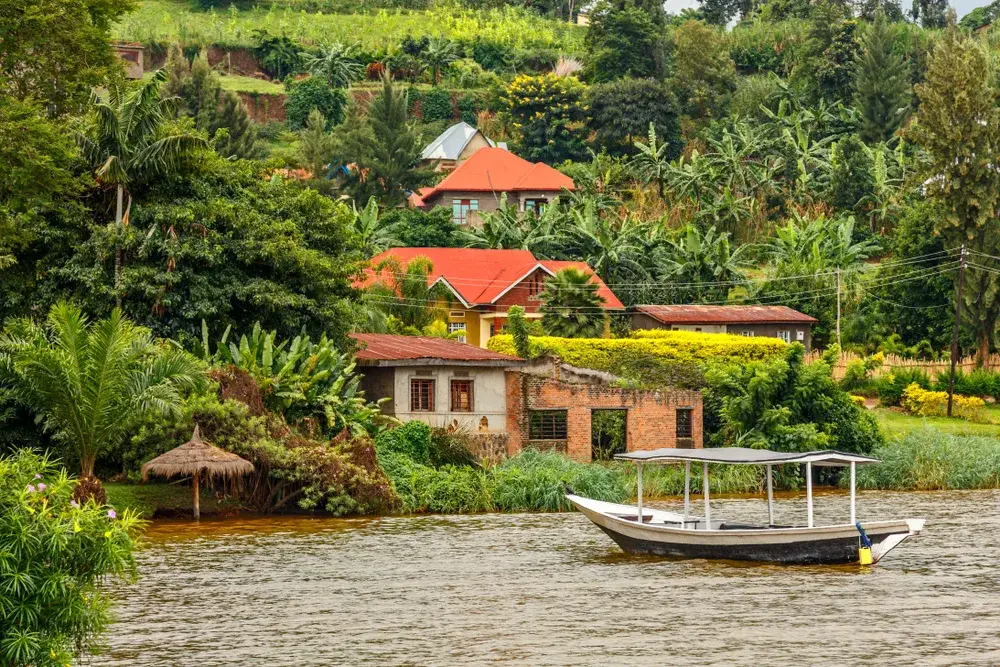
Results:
<point x="391" y="347"/>
<point x="497" y="170"/>
<point x="480" y="276"/>
<point x="696" y="314"/>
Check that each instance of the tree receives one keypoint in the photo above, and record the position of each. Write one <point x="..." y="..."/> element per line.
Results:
<point x="930" y="13"/>
<point x="224" y="243"/>
<point x="958" y="127"/>
<point x="721" y="12"/>
<point x="549" y="112"/>
<point x="311" y="93"/>
<point x="704" y="264"/>
<point x="851" y="181"/>
<point x="616" y="248"/>
<point x="651" y="161"/>
<point x="62" y="553"/>
<point x="279" y="56"/>
<point x="518" y="328"/>
<point x="128" y="144"/>
<point x="335" y="63"/>
<point x="405" y="293"/>
<point x="440" y="54"/>
<point x="571" y="306"/>
<point x="416" y="228"/>
<point x="881" y="83"/>
<point x="826" y="66"/>
<point x="386" y="149"/>
<point x="704" y="74"/>
<point x="623" y="40"/>
<point x="89" y="382"/>
<point x="621" y="112"/>
<point x="234" y="134"/>
<point x="374" y="235"/>
<point x="56" y="51"/>
<point x="315" y="144"/>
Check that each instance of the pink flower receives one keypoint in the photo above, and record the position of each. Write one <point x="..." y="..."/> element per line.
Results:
<point x="31" y="488"/>
<point x="75" y="504"/>
<point x="112" y="514"/>
<point x="41" y="486"/>
<point x="37" y="476"/>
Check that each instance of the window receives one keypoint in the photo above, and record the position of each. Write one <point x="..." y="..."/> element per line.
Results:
<point x="460" y="210"/>
<point x="421" y="395"/>
<point x="547" y="425"/>
<point x="461" y="395"/>
<point x="457" y="326"/>
<point x="684" y="423"/>
<point x="536" y="205"/>
<point x="747" y="333"/>
<point x="698" y="329"/>
<point x="800" y="335"/>
<point x="785" y="336"/>
<point x="536" y="284"/>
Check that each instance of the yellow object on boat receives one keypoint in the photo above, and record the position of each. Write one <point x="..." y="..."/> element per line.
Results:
<point x="865" y="555"/>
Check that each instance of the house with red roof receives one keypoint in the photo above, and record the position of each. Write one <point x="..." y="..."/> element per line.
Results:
<point x="484" y="283"/>
<point x="782" y="322"/>
<point x="478" y="184"/>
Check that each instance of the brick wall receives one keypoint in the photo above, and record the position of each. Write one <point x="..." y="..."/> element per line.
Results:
<point x="651" y="422"/>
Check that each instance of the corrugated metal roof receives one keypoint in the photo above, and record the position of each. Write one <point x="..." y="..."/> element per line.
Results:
<point x="698" y="314"/>
<point x="450" y="143"/>
<point x="391" y="347"/>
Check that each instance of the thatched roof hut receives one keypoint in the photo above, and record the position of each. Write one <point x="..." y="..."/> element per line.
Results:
<point x="195" y="458"/>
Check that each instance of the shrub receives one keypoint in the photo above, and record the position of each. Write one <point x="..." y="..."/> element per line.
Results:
<point x="311" y="93"/>
<point x="54" y="554"/>
<point x="980" y="382"/>
<point x="412" y="440"/>
<point x="549" y="112"/>
<point x="436" y="105"/>
<point x="612" y="355"/>
<point x="891" y="385"/>
<point x="930" y="459"/>
<point x="919" y="401"/>
<point x="621" y="112"/>
<point x="452" y="448"/>
<point x="857" y="375"/>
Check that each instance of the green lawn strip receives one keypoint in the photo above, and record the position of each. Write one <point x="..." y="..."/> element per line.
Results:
<point x="895" y="423"/>
<point x="248" y="84"/>
<point x="161" y="499"/>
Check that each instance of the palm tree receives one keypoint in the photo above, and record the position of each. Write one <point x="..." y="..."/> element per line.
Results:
<point x="611" y="247"/>
<point x="704" y="261"/>
<point x="439" y="55"/>
<point x="126" y="145"/>
<point x="88" y="383"/>
<point x="651" y="163"/>
<point x="571" y="306"/>
<point x="336" y="63"/>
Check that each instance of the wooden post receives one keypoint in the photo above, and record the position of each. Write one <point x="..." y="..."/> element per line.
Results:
<point x="954" y="332"/>
<point x="197" y="509"/>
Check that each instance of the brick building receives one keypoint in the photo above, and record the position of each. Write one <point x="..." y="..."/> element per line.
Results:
<point x="550" y="406"/>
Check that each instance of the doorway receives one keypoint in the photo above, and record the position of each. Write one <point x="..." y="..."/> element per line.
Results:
<point x="608" y="433"/>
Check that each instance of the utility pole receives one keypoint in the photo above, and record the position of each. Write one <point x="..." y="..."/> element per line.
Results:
<point x="954" y="333"/>
<point x="838" y="310"/>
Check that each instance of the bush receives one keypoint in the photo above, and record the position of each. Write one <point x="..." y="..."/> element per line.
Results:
<point x="613" y="354"/>
<point x="621" y="112"/>
<point x="918" y="401"/>
<point x="452" y="448"/>
<point x="311" y="93"/>
<point x="412" y="440"/>
<point x="534" y="481"/>
<point x="930" y="459"/>
<point x="54" y="555"/>
<point x="436" y="105"/>
<point x="980" y="382"/>
<point x="890" y="386"/>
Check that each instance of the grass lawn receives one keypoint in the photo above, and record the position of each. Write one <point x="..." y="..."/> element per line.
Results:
<point x="164" y="499"/>
<point x="248" y="84"/>
<point x="898" y="423"/>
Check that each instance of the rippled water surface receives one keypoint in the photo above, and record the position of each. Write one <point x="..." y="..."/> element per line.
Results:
<point x="551" y="589"/>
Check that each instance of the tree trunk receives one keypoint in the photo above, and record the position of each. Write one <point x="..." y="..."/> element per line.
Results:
<point x="983" y="348"/>
<point x="118" y="248"/>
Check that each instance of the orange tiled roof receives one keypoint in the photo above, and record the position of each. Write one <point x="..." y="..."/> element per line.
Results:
<point x="481" y="276"/>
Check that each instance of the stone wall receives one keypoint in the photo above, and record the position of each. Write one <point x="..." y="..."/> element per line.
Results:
<point x="490" y="447"/>
<point x="651" y="421"/>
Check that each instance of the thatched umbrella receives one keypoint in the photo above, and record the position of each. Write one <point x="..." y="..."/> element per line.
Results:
<point x="194" y="458"/>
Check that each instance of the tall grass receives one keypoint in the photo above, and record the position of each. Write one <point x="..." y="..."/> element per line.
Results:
<point x="930" y="459"/>
<point x="162" y="21"/>
<point x="533" y="481"/>
<point x="668" y="480"/>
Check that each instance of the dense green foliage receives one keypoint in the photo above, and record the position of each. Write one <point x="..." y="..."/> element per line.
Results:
<point x="931" y="460"/>
<point x="571" y="306"/>
<point x="55" y="554"/>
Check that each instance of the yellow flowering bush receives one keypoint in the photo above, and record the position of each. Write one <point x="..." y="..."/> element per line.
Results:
<point x="609" y="354"/>
<point x="550" y="113"/>
<point x="919" y="401"/>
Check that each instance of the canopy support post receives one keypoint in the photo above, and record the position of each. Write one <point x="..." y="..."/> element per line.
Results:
<point x="197" y="509"/>
<point x="639" y="494"/>
<point x="853" y="513"/>
<point x="704" y="484"/>
<point x="770" y="498"/>
<point x="687" y="492"/>
<point x="809" y="493"/>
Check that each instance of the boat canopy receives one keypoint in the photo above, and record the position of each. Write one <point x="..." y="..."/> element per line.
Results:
<point x="745" y="456"/>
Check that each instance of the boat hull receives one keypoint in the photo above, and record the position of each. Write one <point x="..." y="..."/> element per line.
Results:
<point x="824" y="545"/>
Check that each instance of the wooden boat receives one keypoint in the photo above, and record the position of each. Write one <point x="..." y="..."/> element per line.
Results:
<point x="686" y="536"/>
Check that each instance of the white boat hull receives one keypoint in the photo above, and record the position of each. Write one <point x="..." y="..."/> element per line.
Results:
<point x="661" y="533"/>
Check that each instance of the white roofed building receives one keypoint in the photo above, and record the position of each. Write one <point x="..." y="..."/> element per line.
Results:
<point x="455" y="145"/>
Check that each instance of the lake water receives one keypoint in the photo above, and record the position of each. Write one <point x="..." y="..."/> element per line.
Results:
<point x="551" y="589"/>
